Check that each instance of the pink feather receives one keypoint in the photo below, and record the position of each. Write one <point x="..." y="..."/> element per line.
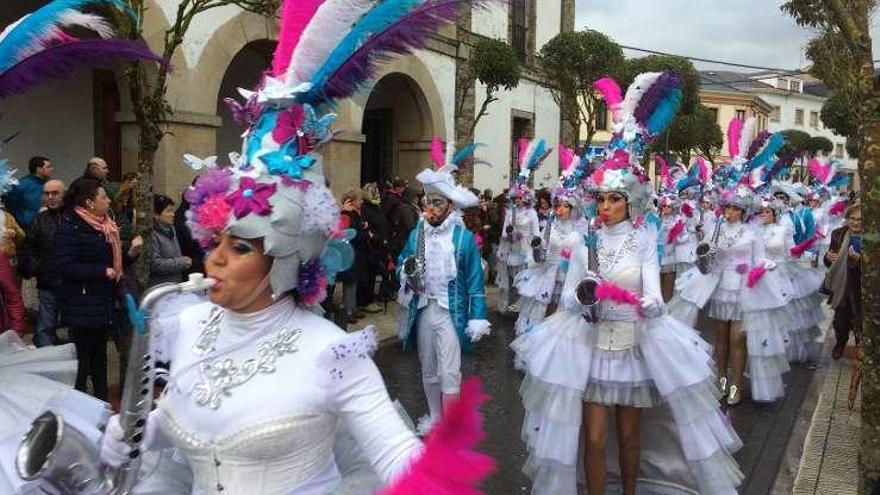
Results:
<point x="819" y="170"/>
<point x="523" y="150"/>
<point x="665" y="176"/>
<point x="448" y="464"/>
<point x="611" y="93"/>
<point x="734" y="133"/>
<point x="704" y="170"/>
<point x="438" y="152"/>
<point x="675" y="232"/>
<point x="295" y="16"/>
<point x="607" y="291"/>
<point x="801" y="248"/>
<point x="686" y="210"/>
<point x="566" y="158"/>
<point x="837" y="208"/>
<point x="755" y="275"/>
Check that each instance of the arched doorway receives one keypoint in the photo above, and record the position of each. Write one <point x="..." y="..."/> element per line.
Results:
<point x="397" y="128"/>
<point x="244" y="71"/>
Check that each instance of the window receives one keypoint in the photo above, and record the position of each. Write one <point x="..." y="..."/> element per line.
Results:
<point x="782" y="83"/>
<point x="774" y="114"/>
<point x="520" y="28"/>
<point x="798" y="116"/>
<point x="521" y="127"/>
<point x="741" y="114"/>
<point x="714" y="112"/>
<point x="602" y="117"/>
<point x="814" y="120"/>
<point x="794" y="86"/>
<point x="838" y="150"/>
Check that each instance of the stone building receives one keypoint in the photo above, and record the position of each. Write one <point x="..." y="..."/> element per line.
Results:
<point x="386" y="130"/>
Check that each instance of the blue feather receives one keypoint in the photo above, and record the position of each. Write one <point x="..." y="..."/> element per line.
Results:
<point x="27" y="34"/>
<point x="662" y="116"/>
<point x="377" y="20"/>
<point x="465" y="153"/>
<point x="774" y="144"/>
<point x="839" y="180"/>
<point x="687" y="182"/>
<point x="537" y="155"/>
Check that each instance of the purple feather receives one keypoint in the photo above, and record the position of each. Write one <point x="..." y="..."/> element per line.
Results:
<point x="60" y="60"/>
<point x="410" y="33"/>
<point x="667" y="82"/>
<point x="758" y="143"/>
<point x="782" y="163"/>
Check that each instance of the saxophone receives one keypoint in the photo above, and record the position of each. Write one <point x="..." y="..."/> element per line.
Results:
<point x="585" y="292"/>
<point x="707" y="251"/>
<point x="511" y="227"/>
<point x="62" y="457"/>
<point x="414" y="265"/>
<point x="540" y="244"/>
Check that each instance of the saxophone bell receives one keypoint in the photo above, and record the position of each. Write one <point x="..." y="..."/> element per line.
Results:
<point x="539" y="251"/>
<point x="585" y="293"/>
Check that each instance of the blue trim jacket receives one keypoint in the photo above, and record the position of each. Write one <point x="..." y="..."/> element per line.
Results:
<point x="467" y="294"/>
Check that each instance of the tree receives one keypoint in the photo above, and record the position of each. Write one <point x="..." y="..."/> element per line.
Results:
<point x="147" y="89"/>
<point x="495" y="65"/>
<point x="572" y="61"/>
<point x="836" y="116"/>
<point x="697" y="133"/>
<point x="819" y="144"/>
<point x="796" y="142"/>
<point x="842" y="58"/>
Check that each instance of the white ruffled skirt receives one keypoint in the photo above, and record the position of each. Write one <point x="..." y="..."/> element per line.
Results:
<point x="687" y="443"/>
<point x="804" y="312"/>
<point x="538" y="287"/>
<point x="33" y="381"/>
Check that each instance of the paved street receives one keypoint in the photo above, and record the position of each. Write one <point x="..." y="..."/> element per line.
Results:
<point x="764" y="428"/>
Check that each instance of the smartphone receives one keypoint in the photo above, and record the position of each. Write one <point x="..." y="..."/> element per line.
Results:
<point x="856" y="243"/>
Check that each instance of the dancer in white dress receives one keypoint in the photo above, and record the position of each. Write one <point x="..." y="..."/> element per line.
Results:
<point x="623" y="355"/>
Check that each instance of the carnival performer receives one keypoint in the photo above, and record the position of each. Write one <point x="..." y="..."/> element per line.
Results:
<point x="442" y="288"/>
<point x="230" y="408"/>
<point x="719" y="278"/>
<point x="540" y="285"/>
<point x="675" y="232"/>
<point x="521" y="224"/>
<point x="623" y="355"/>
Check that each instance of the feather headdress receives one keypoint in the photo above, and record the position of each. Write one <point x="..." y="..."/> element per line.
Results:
<point x="40" y="46"/>
<point x="440" y="179"/>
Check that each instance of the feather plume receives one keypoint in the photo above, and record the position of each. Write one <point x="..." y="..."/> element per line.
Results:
<point x="636" y="90"/>
<point x="566" y="159"/>
<point x="801" y="248"/>
<point x="92" y="22"/>
<point x="837" y="208"/>
<point x="465" y="154"/>
<point x="295" y="16"/>
<point x="820" y="171"/>
<point x="607" y="291"/>
<point x="331" y="23"/>
<point x="746" y="136"/>
<point x="704" y="171"/>
<point x="438" y="152"/>
<point x="60" y="60"/>
<point x="32" y="33"/>
<point x="675" y="232"/>
<point x="449" y="463"/>
<point x="782" y="163"/>
<point x="539" y="153"/>
<point x="765" y="156"/>
<point x="659" y="103"/>
<point x="755" y="275"/>
<point x="839" y="181"/>
<point x="734" y="134"/>
<point x="687" y="210"/>
<point x="610" y="91"/>
<point x="686" y="182"/>
<point x="665" y="176"/>
<point x="757" y="143"/>
<point x="392" y="27"/>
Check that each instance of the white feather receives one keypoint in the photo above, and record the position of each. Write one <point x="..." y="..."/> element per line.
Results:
<point x="635" y="92"/>
<point x="524" y="160"/>
<point x="748" y="134"/>
<point x="333" y="20"/>
<point x="92" y="22"/>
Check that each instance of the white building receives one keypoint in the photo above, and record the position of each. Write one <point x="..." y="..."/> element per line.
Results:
<point x="386" y="129"/>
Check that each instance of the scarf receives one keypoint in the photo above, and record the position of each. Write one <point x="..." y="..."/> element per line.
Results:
<point x="107" y="227"/>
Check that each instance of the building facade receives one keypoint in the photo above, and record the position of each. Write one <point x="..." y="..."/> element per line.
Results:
<point x="386" y="129"/>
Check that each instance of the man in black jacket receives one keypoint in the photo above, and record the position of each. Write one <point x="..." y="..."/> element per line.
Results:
<point x="35" y="260"/>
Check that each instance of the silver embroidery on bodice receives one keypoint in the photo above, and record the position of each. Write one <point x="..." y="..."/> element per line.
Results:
<point x="608" y="257"/>
<point x="221" y="375"/>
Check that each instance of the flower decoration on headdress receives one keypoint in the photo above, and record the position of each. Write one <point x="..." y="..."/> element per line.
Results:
<point x="286" y="161"/>
<point x="251" y="197"/>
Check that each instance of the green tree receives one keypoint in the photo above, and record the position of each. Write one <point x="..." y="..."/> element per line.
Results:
<point x="842" y="58"/>
<point x="571" y="62"/>
<point x="796" y="142"/>
<point x="147" y="89"/>
<point x="494" y="64"/>
<point x="836" y="115"/>
<point x="819" y="144"/>
<point x="697" y="133"/>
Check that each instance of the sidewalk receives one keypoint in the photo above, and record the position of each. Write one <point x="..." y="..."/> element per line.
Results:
<point x="829" y="464"/>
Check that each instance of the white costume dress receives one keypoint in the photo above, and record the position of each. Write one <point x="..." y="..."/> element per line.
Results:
<point x="514" y="251"/>
<point x="652" y="363"/>
<point x="679" y="255"/>
<point x="254" y="401"/>
<point x="32" y="381"/>
<point x="541" y="283"/>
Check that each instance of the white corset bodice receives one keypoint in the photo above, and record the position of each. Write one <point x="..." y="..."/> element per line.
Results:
<point x="775" y="242"/>
<point x="563" y="235"/>
<point x="734" y="250"/>
<point x="272" y="457"/>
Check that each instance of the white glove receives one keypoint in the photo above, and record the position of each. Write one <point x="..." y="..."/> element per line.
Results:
<point x="477" y="329"/>
<point x="652" y="307"/>
<point x="114" y="451"/>
<point x="769" y="265"/>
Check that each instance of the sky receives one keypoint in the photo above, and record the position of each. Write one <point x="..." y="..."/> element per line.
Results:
<point x="753" y="32"/>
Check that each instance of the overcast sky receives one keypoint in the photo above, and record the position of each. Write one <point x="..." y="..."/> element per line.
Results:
<point x="754" y="32"/>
